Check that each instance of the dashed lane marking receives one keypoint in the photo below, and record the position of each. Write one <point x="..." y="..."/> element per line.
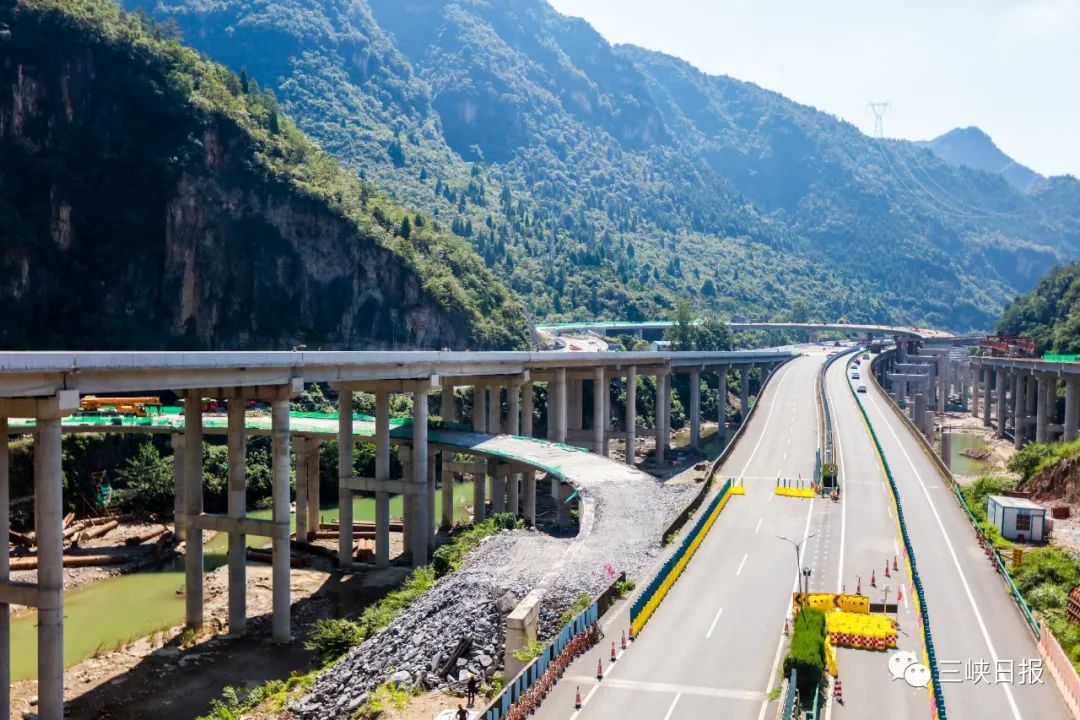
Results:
<point x="671" y="709"/>
<point x="695" y="690"/>
<point x="739" y="571"/>
<point x="714" y="621"/>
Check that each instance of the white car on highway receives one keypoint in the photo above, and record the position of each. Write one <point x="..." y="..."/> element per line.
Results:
<point x="861" y="388"/>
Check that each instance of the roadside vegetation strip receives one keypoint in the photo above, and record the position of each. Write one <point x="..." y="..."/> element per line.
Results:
<point x="937" y="699"/>
<point x="646" y="603"/>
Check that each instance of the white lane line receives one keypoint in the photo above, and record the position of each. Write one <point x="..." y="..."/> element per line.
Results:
<point x="671" y="709"/>
<point x="758" y="526"/>
<point x="955" y="559"/>
<point x="896" y="546"/>
<point x="739" y="571"/>
<point x="888" y="508"/>
<point x="714" y="621"/>
<point x="666" y="688"/>
<point x="585" y="701"/>
<point x="764" y="430"/>
<point x="780" y="641"/>
<point x="843" y="496"/>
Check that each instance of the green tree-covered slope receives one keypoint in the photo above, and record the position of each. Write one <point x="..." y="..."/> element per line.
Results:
<point x="149" y="198"/>
<point x="1049" y="314"/>
<point x="608" y="180"/>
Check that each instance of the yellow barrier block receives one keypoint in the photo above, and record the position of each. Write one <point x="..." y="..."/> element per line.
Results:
<point x="861" y="631"/>
<point x="737" y="490"/>
<point x="794" y="492"/>
<point x="830" y="657"/>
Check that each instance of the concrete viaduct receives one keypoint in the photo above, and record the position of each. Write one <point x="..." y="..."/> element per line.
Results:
<point x="1012" y="395"/>
<point x="813" y="330"/>
<point x="46" y="387"/>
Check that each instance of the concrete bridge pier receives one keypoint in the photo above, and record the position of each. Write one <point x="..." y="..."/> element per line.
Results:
<point x="527" y="401"/>
<point x="695" y="409"/>
<point x="744" y="389"/>
<point x="447" y="405"/>
<point x="5" y="573"/>
<point x="976" y="381"/>
<point x="237" y="506"/>
<point x="988" y="380"/>
<point x="479" y="409"/>
<point x="1019" y="414"/>
<point x="280" y="620"/>
<point x="662" y="410"/>
<point x="1072" y="411"/>
<point x="600" y="409"/>
<point x="345" y="461"/>
<point x="1041" y="408"/>
<point x="176" y="440"/>
<point x="193" y="501"/>
<point x="529" y="504"/>
<point x="631" y="414"/>
<point x="479" y="474"/>
<point x="1002" y="383"/>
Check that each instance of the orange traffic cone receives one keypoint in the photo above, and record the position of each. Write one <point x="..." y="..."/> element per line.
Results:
<point x="873" y="579"/>
<point x="838" y="691"/>
<point x="613" y="656"/>
<point x="577" y="698"/>
<point x="887" y="568"/>
<point x="895" y="567"/>
<point x="900" y="594"/>
<point x="599" y="669"/>
<point x="622" y="640"/>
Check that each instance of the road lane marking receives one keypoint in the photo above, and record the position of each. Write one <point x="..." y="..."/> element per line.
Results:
<point x="758" y="526"/>
<point x="671" y="709"/>
<point x="667" y="688"/>
<point x="714" y="621"/>
<point x="739" y="571"/>
<point x="764" y="430"/>
<point x="780" y="641"/>
<point x="955" y="559"/>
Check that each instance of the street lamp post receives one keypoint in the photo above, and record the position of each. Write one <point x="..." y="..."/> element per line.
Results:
<point x="799" y="570"/>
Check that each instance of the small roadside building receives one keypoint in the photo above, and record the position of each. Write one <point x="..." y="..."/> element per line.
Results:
<point x="1017" y="518"/>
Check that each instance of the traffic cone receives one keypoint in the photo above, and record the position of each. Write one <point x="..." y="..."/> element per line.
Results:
<point x="838" y="691"/>
<point x="858" y="587"/>
<point x="787" y="628"/>
<point x="613" y="656"/>
<point x="900" y="594"/>
<point x="622" y="640"/>
<point x="599" y="669"/>
<point x="873" y="579"/>
<point x="577" y="698"/>
<point x="895" y="567"/>
<point x="887" y="568"/>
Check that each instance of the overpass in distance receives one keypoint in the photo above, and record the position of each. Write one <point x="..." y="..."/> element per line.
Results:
<point x="607" y="326"/>
<point x="714" y="645"/>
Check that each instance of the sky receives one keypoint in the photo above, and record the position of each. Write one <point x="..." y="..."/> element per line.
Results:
<point x="1010" y="67"/>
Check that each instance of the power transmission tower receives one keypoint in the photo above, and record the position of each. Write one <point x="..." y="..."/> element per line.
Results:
<point x="879" y="108"/>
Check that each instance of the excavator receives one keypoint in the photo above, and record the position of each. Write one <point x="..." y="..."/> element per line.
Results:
<point x="137" y="406"/>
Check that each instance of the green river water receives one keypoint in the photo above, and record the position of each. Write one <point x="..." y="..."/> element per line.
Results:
<point x="109" y="612"/>
<point x="962" y="464"/>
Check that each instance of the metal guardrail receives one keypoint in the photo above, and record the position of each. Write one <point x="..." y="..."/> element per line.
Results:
<point x="826" y="413"/>
<point x="788" y="712"/>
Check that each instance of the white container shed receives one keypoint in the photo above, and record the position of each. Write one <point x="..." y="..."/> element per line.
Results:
<point x="1017" y="518"/>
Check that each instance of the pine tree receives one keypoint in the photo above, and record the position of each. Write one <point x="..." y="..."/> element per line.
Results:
<point x="406" y="228"/>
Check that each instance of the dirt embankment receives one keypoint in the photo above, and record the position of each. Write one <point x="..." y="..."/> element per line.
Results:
<point x="1059" y="484"/>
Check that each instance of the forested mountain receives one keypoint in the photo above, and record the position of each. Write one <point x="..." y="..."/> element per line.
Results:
<point x="1049" y="314"/>
<point x="603" y="180"/>
<point x="151" y="199"/>
<point x="972" y="147"/>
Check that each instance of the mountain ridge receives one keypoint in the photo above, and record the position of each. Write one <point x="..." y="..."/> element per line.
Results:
<point x="972" y="147"/>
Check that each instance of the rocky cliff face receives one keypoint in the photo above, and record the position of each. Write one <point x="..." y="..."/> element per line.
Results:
<point x="133" y="217"/>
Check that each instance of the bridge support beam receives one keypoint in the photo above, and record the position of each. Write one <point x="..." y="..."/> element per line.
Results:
<point x="280" y="621"/>
<point x="447" y="405"/>
<point x="193" y="499"/>
<point x="1041" y="409"/>
<point x="513" y="427"/>
<point x="237" y="505"/>
<point x="662" y="410"/>
<point x="600" y="411"/>
<point x="557" y="393"/>
<point x="176" y="440"/>
<point x="631" y="414"/>
<point x="345" y="471"/>
<point x="529" y="504"/>
<point x="527" y="409"/>
<point x="48" y="527"/>
<point x="1072" y="411"/>
<point x="744" y="390"/>
<point x="695" y="410"/>
<point x="988" y="379"/>
<point x="479" y="508"/>
<point x="1002" y="383"/>
<point x="420" y="538"/>
<point x="1019" y="411"/>
<point x="976" y="379"/>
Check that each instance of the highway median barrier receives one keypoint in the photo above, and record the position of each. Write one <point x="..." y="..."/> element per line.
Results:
<point x="650" y="598"/>
<point x="795" y="487"/>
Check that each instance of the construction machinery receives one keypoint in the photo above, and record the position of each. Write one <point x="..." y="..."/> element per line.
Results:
<point x="137" y="406"/>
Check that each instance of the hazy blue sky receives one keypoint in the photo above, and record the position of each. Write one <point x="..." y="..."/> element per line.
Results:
<point x="1011" y="67"/>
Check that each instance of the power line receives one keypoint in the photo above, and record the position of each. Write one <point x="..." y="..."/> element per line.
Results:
<point x="879" y="108"/>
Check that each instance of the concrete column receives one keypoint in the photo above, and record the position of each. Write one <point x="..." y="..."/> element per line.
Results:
<point x="1072" y="411"/>
<point x="1019" y="415"/>
<point x="574" y="405"/>
<point x="494" y="425"/>
<point x="976" y="378"/>
<point x="513" y="427"/>
<point x="496" y="490"/>
<point x="600" y="397"/>
<point x="279" y="429"/>
<point x="1002" y="387"/>
<point x="1051" y="406"/>
<point x="513" y="494"/>
<point x="479" y="511"/>
<point x="300" y="462"/>
<point x="314" y="445"/>
<point x="419" y="540"/>
<point x="479" y="409"/>
<point x="661" y="410"/>
<point x="1032" y="395"/>
<point x="193" y="497"/>
<point x="631" y="413"/>
<point x="448" y="408"/>
<point x="988" y="379"/>
<point x="447" y="489"/>
<point x="946" y="449"/>
<point x="744" y="390"/>
<point x="1041" y="410"/>
<point x="527" y="409"/>
<point x="48" y="527"/>
<point x="237" y="507"/>
<point x="345" y="470"/>
<point x="408" y="502"/>
<point x="179" y="485"/>
<point x="382" y="472"/>
<point x="559" y="384"/>
<point x="529" y="505"/>
<point x="695" y="410"/>
<point x="918" y="412"/>
<point x="432" y="483"/>
<point x="5" y="573"/>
